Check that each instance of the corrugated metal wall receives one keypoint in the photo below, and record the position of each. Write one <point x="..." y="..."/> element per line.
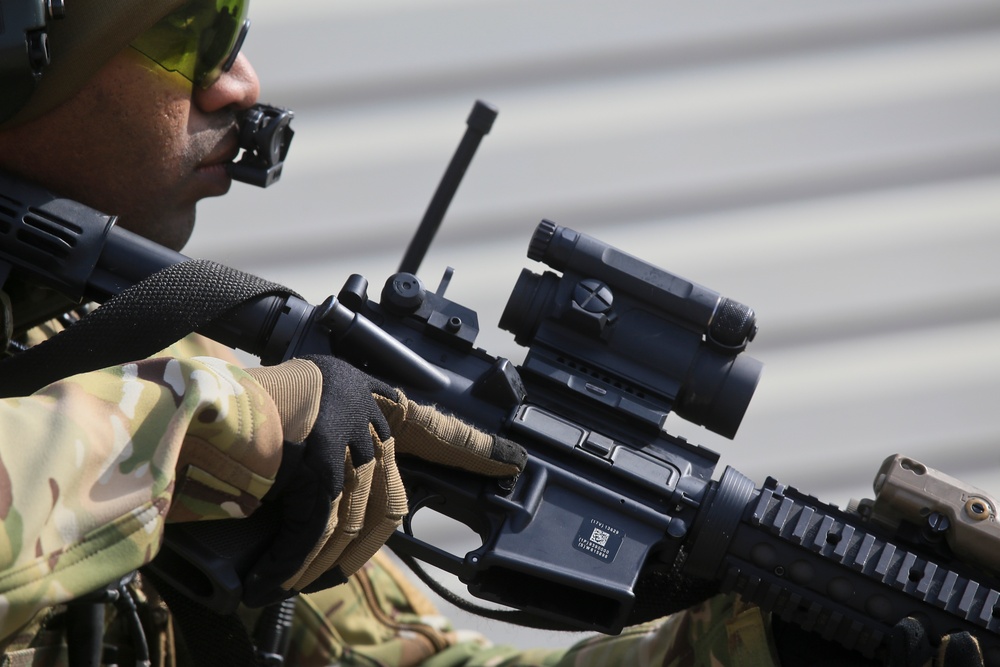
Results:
<point x="835" y="166"/>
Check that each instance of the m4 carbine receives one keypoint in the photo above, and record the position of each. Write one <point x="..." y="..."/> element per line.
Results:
<point x="608" y="501"/>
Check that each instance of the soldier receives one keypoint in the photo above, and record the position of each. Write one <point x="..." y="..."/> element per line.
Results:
<point x="137" y="115"/>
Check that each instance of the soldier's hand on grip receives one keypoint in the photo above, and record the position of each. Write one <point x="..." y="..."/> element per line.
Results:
<point x="339" y="489"/>
<point x="909" y="646"/>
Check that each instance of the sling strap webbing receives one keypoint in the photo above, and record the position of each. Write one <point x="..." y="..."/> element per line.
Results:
<point x="136" y="323"/>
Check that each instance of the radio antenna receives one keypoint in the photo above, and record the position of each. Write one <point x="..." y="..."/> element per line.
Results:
<point x="479" y="123"/>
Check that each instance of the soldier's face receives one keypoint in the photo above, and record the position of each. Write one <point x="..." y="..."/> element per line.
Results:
<point x="138" y="142"/>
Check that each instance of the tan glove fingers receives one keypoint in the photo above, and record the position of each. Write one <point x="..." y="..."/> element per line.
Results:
<point x="331" y="527"/>
<point x="433" y="436"/>
<point x="346" y="522"/>
<point x="387" y="506"/>
<point x="960" y="648"/>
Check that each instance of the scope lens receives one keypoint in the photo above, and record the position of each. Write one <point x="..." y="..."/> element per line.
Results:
<point x="718" y="391"/>
<point x="528" y="304"/>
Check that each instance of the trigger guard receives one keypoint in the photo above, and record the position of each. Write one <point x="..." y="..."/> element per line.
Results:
<point x="415" y="507"/>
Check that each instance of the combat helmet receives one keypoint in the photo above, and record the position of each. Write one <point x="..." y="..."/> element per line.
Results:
<point x="50" y="48"/>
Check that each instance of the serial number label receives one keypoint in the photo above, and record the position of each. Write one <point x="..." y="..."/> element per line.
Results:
<point x="598" y="539"/>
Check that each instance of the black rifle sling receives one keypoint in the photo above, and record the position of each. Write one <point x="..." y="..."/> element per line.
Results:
<point x="135" y="324"/>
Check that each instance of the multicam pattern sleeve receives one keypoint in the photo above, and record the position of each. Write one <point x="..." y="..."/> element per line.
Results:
<point x="91" y="467"/>
<point x="380" y="619"/>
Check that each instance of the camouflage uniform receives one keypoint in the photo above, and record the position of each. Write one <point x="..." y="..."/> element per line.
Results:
<point x="88" y="506"/>
<point x="378" y="618"/>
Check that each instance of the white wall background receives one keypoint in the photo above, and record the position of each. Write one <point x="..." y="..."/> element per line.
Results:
<point x="835" y="166"/>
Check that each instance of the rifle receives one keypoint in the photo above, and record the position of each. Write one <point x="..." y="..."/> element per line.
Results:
<point x="608" y="500"/>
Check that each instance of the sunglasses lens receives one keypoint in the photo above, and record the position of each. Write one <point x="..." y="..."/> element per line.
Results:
<point x="199" y="41"/>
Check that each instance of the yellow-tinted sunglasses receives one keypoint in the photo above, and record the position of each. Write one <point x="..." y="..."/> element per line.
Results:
<point x="200" y="40"/>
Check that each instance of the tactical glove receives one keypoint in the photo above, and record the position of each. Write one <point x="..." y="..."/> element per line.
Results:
<point x="909" y="647"/>
<point x="339" y="489"/>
